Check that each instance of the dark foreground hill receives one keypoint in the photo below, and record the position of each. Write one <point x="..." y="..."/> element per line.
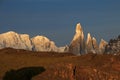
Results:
<point x="58" y="66"/>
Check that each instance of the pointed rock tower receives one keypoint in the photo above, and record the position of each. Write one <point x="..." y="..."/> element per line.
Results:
<point x="77" y="45"/>
<point x="95" y="45"/>
<point x="102" y="46"/>
<point x="89" y="44"/>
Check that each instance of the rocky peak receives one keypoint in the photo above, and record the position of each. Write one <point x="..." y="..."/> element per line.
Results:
<point x="89" y="39"/>
<point x="77" y="45"/>
<point x="89" y="44"/>
<point x="79" y="32"/>
<point x="102" y="46"/>
<point x="102" y="43"/>
<point x="78" y="28"/>
<point x="95" y="45"/>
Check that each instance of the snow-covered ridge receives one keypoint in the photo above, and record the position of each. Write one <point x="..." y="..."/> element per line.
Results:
<point x="23" y="41"/>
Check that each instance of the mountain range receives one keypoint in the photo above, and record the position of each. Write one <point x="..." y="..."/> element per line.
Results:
<point x="80" y="46"/>
<point x="77" y="46"/>
<point x="23" y="41"/>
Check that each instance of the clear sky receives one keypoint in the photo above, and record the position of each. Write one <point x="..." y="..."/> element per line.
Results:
<point x="56" y="19"/>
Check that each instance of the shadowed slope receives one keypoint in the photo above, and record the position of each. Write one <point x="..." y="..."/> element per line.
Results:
<point x="23" y="74"/>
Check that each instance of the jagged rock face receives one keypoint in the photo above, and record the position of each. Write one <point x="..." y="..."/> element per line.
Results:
<point x="113" y="46"/>
<point x="77" y="45"/>
<point x="42" y="43"/>
<point x="91" y="44"/>
<point x="95" y="45"/>
<point x="102" y="46"/>
<point x="14" y="40"/>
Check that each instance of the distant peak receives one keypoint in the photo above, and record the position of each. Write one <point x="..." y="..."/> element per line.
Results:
<point x="88" y="38"/>
<point x="78" y="24"/>
<point x="78" y="28"/>
<point x="102" y="40"/>
<point x="89" y="35"/>
<point x="94" y="38"/>
<point x="24" y="35"/>
<point x="11" y="32"/>
<point x="41" y="37"/>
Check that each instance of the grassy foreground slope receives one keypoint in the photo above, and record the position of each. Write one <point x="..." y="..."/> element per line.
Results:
<point x="62" y="66"/>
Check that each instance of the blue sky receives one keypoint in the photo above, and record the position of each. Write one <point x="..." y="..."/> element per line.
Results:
<point x="56" y="19"/>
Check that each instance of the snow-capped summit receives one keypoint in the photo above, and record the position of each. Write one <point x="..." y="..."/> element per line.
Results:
<point x="78" y="28"/>
<point x="41" y="43"/>
<point x="26" y="40"/>
<point x="14" y="40"/>
<point x="23" y="41"/>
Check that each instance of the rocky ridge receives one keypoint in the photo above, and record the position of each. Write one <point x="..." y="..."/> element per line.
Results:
<point x="113" y="46"/>
<point x="79" y="46"/>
